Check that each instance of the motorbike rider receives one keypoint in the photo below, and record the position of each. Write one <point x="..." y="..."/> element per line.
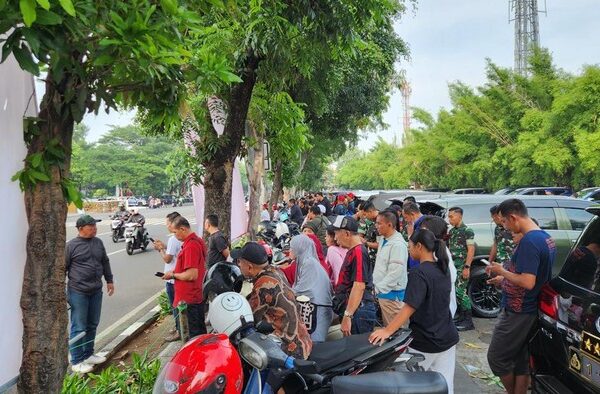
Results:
<point x="136" y="217"/>
<point x="121" y="213"/>
<point x="273" y="301"/>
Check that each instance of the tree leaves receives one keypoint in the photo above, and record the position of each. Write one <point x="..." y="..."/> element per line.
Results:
<point x="25" y="59"/>
<point x="28" y="11"/>
<point x="67" y="5"/>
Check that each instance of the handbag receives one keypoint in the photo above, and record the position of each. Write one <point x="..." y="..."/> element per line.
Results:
<point x="308" y="313"/>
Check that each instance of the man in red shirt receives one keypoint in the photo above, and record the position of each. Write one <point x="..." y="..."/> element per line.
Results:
<point x="188" y="274"/>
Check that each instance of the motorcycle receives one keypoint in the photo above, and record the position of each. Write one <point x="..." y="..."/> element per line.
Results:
<point x="117" y="227"/>
<point x="244" y="358"/>
<point x="136" y="237"/>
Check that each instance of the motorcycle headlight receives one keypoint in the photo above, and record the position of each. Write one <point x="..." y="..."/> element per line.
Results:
<point x="253" y="354"/>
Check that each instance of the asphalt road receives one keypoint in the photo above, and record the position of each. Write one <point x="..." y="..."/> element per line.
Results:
<point x="133" y="275"/>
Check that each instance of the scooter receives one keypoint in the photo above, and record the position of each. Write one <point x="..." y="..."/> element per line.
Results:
<point x="118" y="227"/>
<point x="244" y="358"/>
<point x="136" y="237"/>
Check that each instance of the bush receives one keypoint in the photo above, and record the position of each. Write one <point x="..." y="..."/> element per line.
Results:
<point x="165" y="306"/>
<point x="139" y="377"/>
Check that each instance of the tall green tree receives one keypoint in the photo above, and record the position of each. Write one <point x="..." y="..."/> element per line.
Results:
<point x="94" y="54"/>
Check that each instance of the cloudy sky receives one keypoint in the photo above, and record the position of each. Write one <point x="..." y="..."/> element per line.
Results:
<point x="450" y="40"/>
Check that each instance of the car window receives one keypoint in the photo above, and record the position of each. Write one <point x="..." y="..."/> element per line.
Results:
<point x="545" y="217"/>
<point x="582" y="264"/>
<point x="578" y="218"/>
<point x="476" y="213"/>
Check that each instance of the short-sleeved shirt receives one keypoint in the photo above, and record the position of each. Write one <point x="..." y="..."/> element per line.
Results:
<point x="428" y="291"/>
<point x="173" y="249"/>
<point x="504" y="244"/>
<point x="534" y="255"/>
<point x="356" y="268"/>
<point x="460" y="237"/>
<point x="416" y="226"/>
<point x="217" y="243"/>
<point x="273" y="301"/>
<point x="192" y="255"/>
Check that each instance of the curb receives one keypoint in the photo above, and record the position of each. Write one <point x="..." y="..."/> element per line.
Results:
<point x="129" y="333"/>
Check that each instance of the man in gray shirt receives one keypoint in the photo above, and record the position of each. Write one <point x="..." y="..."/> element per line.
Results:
<point x="86" y="263"/>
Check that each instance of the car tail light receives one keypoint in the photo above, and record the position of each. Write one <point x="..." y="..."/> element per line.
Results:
<point x="549" y="301"/>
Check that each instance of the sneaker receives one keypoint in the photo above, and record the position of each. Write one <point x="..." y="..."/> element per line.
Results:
<point x="82" y="368"/>
<point x="95" y="360"/>
<point x="173" y="337"/>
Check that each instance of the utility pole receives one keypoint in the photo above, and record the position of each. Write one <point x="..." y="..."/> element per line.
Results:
<point x="527" y="31"/>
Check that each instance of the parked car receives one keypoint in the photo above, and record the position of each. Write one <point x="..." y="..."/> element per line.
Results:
<point x="142" y="201"/>
<point x="504" y="191"/>
<point x="132" y="202"/>
<point x="585" y="191"/>
<point x="565" y="347"/>
<point x="592" y="195"/>
<point x="472" y="190"/>
<point x="562" y="217"/>
<point x="544" y="191"/>
<point x="167" y="199"/>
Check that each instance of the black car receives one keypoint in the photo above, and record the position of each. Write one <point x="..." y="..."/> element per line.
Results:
<point x="565" y="346"/>
<point x="562" y="217"/>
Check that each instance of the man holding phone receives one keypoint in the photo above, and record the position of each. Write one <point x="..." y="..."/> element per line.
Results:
<point x="169" y="255"/>
<point x="188" y="274"/>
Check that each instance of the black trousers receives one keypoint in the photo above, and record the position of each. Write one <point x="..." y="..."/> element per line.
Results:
<point x="196" y="323"/>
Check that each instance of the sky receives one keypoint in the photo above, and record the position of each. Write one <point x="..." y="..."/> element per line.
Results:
<point x="449" y="41"/>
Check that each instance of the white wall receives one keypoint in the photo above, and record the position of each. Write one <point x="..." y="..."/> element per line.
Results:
<point x="16" y="90"/>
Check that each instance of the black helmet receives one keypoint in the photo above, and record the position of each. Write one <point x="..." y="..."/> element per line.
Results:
<point x="266" y="230"/>
<point x="222" y="277"/>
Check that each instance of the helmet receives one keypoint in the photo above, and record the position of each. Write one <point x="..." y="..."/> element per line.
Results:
<point x="267" y="249"/>
<point x="135" y="210"/>
<point x="221" y="278"/>
<point x="230" y="312"/>
<point x="266" y="230"/>
<point x="281" y="230"/>
<point x="205" y="364"/>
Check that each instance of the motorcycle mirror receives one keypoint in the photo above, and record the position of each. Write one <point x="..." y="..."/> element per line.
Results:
<point x="264" y="328"/>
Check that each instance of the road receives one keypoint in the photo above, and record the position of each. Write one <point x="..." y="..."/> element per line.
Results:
<point x="133" y="275"/>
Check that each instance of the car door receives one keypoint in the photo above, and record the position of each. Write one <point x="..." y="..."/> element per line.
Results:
<point x="548" y="220"/>
<point x="477" y="217"/>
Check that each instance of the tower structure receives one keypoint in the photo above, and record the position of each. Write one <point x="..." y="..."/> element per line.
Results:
<point x="405" y="90"/>
<point x="524" y="13"/>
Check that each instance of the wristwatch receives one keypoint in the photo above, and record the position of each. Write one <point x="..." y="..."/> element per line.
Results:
<point x="347" y="314"/>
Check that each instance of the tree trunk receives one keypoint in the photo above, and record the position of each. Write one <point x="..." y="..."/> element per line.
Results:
<point x="255" y="170"/>
<point x="277" y="183"/>
<point x="43" y="299"/>
<point x="219" y="169"/>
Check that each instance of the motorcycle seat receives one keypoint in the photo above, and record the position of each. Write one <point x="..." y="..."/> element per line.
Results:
<point x="332" y="353"/>
<point x="428" y="382"/>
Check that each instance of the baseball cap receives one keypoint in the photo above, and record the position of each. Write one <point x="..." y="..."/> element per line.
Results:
<point x="311" y="225"/>
<point x="342" y="222"/>
<point x="252" y="252"/>
<point x="84" y="220"/>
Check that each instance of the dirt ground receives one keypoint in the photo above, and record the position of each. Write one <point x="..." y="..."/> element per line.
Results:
<point x="150" y="340"/>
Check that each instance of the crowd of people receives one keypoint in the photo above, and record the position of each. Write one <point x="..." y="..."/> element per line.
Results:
<point x="371" y="271"/>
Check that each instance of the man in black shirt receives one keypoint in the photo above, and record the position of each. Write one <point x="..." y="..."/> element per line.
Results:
<point x="295" y="212"/>
<point x="323" y="201"/>
<point x="86" y="262"/>
<point x="218" y="247"/>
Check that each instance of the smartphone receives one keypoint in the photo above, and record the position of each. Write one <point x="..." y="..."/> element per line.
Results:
<point x="159" y="274"/>
<point x="484" y="261"/>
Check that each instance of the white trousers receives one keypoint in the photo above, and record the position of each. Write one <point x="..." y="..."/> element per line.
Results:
<point x="443" y="363"/>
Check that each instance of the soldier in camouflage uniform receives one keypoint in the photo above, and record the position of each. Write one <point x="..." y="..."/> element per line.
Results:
<point x="369" y="213"/>
<point x="462" y="249"/>
<point x="503" y="246"/>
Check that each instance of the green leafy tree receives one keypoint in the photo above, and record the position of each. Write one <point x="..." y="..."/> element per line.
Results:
<point x="93" y="53"/>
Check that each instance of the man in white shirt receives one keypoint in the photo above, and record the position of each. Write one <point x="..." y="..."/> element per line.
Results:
<point x="169" y="255"/>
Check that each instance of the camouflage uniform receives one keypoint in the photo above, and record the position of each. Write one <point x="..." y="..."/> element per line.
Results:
<point x="371" y="234"/>
<point x="461" y="237"/>
<point x="504" y="245"/>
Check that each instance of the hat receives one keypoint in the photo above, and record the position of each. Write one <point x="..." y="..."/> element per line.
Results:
<point x="311" y="225"/>
<point x="351" y="195"/>
<point x="342" y="222"/>
<point x="84" y="220"/>
<point x="252" y="252"/>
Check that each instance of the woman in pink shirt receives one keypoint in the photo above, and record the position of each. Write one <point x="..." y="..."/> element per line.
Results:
<point x="335" y="254"/>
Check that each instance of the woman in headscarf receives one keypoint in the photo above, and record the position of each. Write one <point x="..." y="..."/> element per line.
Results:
<point x="312" y="281"/>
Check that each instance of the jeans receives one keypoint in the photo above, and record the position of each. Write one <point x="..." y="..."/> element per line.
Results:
<point x="170" y="287"/>
<point x="364" y="318"/>
<point x="85" y="316"/>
